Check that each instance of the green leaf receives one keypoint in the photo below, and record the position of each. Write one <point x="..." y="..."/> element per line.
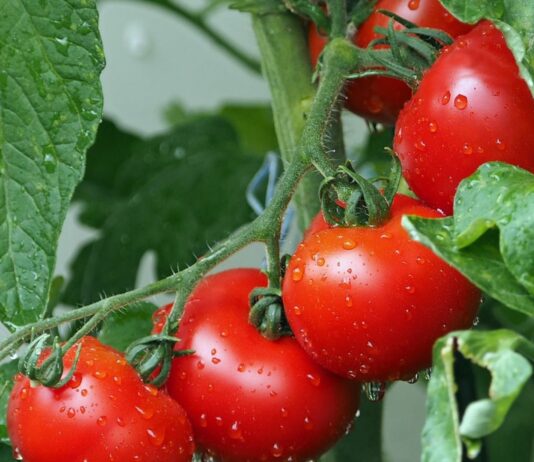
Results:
<point x="515" y="18"/>
<point x="174" y="194"/>
<point x="490" y="239"/>
<point x="495" y="351"/>
<point x="7" y="372"/>
<point x="6" y="453"/>
<point x="123" y="327"/>
<point x="50" y="106"/>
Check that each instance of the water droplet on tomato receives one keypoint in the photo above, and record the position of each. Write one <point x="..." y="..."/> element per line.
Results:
<point x="200" y="364"/>
<point x="235" y="432"/>
<point x="297" y="310"/>
<point x="314" y="379"/>
<point x="75" y="381"/>
<point x="16" y="454"/>
<point x="203" y="420"/>
<point x="284" y="412"/>
<point x="320" y="261"/>
<point x="420" y="260"/>
<point x="410" y="289"/>
<point x="224" y="333"/>
<point x="308" y="424"/>
<point x="364" y="368"/>
<point x="219" y="421"/>
<point x="117" y="379"/>
<point x="348" y="301"/>
<point x="277" y="450"/>
<point x="460" y="102"/>
<point x="500" y="144"/>
<point x="446" y="98"/>
<point x="156" y="437"/>
<point x="152" y="390"/>
<point x="467" y="149"/>
<point x="374" y="390"/>
<point x="432" y="127"/>
<point x="413" y="4"/>
<point x="82" y="409"/>
<point x="241" y="367"/>
<point x="84" y="392"/>
<point x="386" y="236"/>
<point x="349" y="244"/>
<point x="420" y="145"/>
<point x="215" y="360"/>
<point x="24" y="393"/>
<point x="102" y="421"/>
<point x="297" y="274"/>
<point x="100" y="374"/>
<point x="120" y="422"/>
<point x="146" y="412"/>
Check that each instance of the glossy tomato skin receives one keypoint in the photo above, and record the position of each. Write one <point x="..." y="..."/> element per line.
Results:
<point x="251" y="399"/>
<point x="105" y="413"/>
<point x="376" y="98"/>
<point x="472" y="107"/>
<point x="368" y="303"/>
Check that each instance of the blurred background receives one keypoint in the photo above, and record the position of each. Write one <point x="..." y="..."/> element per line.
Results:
<point x="155" y="58"/>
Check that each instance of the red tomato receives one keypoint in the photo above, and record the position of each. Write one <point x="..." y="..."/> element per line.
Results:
<point x="472" y="107"/>
<point x="251" y="399"/>
<point x="105" y="413"/>
<point x="381" y="98"/>
<point x="369" y="303"/>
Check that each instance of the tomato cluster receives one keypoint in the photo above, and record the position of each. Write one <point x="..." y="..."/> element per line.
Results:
<point x="365" y="304"/>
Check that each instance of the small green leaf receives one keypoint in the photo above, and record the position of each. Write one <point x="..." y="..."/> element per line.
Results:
<point x="121" y="328"/>
<point x="496" y="351"/>
<point x="490" y="239"/>
<point x="7" y="372"/>
<point x="515" y="18"/>
<point x="50" y="107"/>
<point x="174" y="194"/>
<point x="6" y="453"/>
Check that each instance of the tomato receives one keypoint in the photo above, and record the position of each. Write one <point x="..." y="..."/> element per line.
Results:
<point x="368" y="303"/>
<point x="104" y="413"/>
<point x="381" y="98"/>
<point x="249" y="398"/>
<point x="472" y="107"/>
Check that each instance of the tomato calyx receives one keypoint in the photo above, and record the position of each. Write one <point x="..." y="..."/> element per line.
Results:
<point x="267" y="312"/>
<point x="350" y="200"/>
<point x="410" y="50"/>
<point x="152" y="357"/>
<point x="49" y="371"/>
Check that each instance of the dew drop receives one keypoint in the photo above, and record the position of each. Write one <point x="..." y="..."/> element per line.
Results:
<point x="500" y="144"/>
<point x="241" y="367"/>
<point x="284" y="412"/>
<point x="146" y="413"/>
<point x="120" y="422"/>
<point x="82" y="409"/>
<point x="223" y="333"/>
<point x="156" y="437"/>
<point x="203" y="420"/>
<point x="213" y="351"/>
<point x="413" y="4"/>
<point x="215" y="360"/>
<point x="297" y="274"/>
<point x="420" y="145"/>
<point x="410" y="289"/>
<point x="102" y="421"/>
<point x="71" y="412"/>
<point x="200" y="364"/>
<point x="152" y="390"/>
<point x="386" y="236"/>
<point x="467" y="149"/>
<point x="75" y="381"/>
<point x="349" y="244"/>
<point x="348" y="301"/>
<point x="24" y="393"/>
<point x="235" y="432"/>
<point x="364" y="368"/>
<point x="297" y="310"/>
<point x="100" y="374"/>
<point x="117" y="379"/>
<point x="320" y="261"/>
<point x="446" y="98"/>
<point x="460" y="102"/>
<point x="84" y="392"/>
<point x="277" y="450"/>
<point x="374" y="390"/>
<point x="315" y="380"/>
<point x="432" y="127"/>
<point x="308" y="424"/>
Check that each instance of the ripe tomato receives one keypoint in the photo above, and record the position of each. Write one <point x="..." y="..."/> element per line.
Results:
<point x="105" y="413"/>
<point x="472" y="107"/>
<point x="251" y="399"/>
<point x="381" y="98"/>
<point x="368" y="303"/>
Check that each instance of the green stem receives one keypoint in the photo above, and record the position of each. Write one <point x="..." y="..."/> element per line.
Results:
<point x="338" y="13"/>
<point x="198" y="21"/>
<point x="286" y="65"/>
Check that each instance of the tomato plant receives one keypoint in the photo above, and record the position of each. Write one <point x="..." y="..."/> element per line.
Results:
<point x="250" y="398"/>
<point x="103" y="413"/>
<point x="378" y="98"/>
<point x="472" y="107"/>
<point x="266" y="363"/>
<point x="386" y="298"/>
